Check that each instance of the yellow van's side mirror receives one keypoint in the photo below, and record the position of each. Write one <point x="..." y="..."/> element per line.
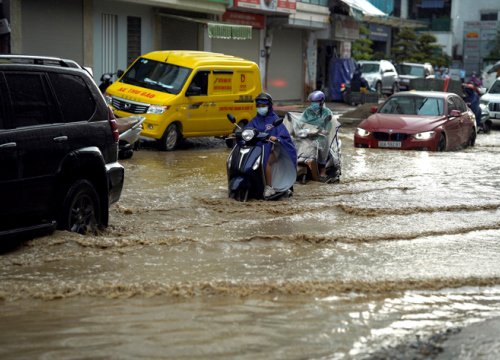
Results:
<point x="193" y="91"/>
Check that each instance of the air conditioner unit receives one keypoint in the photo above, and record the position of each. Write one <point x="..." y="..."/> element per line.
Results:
<point x="4" y="26"/>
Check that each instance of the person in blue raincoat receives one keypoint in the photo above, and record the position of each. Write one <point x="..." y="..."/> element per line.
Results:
<point x="263" y="121"/>
<point x="472" y="99"/>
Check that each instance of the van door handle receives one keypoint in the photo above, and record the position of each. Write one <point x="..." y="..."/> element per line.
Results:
<point x="8" y="145"/>
<point x="61" y="138"/>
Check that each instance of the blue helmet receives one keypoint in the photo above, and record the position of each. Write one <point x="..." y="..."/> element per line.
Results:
<point x="317" y="96"/>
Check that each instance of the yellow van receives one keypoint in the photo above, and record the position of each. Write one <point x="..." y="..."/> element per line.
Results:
<point x="186" y="94"/>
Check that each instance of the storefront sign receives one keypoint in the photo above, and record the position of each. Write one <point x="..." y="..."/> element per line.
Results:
<point x="277" y="6"/>
<point x="379" y="32"/>
<point x="256" y="21"/>
<point x="345" y="28"/>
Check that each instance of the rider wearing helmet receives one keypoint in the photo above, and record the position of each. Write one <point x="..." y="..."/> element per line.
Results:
<point x="314" y="149"/>
<point x="263" y="121"/>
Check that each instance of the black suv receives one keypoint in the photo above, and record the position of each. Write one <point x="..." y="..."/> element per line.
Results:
<point x="58" y="148"/>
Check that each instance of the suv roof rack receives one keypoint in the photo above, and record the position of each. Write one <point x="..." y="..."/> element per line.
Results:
<point x="39" y="60"/>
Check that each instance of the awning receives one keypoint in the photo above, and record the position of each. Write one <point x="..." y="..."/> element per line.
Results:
<point x="217" y="30"/>
<point x="227" y="31"/>
<point x="360" y="8"/>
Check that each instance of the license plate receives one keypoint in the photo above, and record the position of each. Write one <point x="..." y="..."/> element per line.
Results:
<point x="389" y="144"/>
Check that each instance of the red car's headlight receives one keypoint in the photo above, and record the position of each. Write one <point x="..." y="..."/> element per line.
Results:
<point x="362" y="132"/>
<point x="426" y="135"/>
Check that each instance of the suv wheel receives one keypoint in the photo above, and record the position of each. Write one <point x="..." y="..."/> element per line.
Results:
<point x="81" y="209"/>
<point x="395" y="88"/>
<point x="171" y="138"/>
<point x="378" y="88"/>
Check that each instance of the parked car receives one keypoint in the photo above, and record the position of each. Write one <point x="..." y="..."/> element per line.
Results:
<point x="419" y="120"/>
<point x="381" y="75"/>
<point x="409" y="71"/>
<point x="58" y="148"/>
<point x="186" y="94"/>
<point x="492" y="100"/>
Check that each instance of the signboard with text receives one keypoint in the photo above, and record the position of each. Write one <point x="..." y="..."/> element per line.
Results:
<point x="274" y="6"/>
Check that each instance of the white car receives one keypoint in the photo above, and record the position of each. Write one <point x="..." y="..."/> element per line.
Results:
<point x="381" y="75"/>
<point x="492" y="99"/>
<point x="488" y="75"/>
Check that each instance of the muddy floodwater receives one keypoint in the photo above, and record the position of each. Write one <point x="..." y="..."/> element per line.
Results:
<point x="406" y="245"/>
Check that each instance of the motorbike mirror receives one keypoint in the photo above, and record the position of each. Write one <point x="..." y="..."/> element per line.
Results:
<point x="119" y="73"/>
<point x="278" y="122"/>
<point x="231" y="118"/>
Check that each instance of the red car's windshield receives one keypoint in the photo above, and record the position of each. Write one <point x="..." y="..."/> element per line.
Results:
<point x="413" y="105"/>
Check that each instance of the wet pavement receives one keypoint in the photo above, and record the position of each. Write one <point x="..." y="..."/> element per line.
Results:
<point x="389" y="263"/>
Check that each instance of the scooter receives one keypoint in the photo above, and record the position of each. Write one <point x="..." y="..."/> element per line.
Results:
<point x="245" y="166"/>
<point x="129" y="129"/>
<point x="106" y="80"/>
<point x="304" y="136"/>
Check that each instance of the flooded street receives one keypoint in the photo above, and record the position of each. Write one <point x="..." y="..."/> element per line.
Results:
<point x="406" y="245"/>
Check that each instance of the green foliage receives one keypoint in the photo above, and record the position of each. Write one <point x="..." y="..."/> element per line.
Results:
<point x="420" y="48"/>
<point x="404" y="46"/>
<point x="362" y="47"/>
<point x="495" y="52"/>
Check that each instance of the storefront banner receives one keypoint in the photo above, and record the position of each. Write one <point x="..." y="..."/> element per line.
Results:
<point x="256" y="21"/>
<point x="276" y="6"/>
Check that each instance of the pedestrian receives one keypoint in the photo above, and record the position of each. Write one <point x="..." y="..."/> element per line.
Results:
<point x="263" y="121"/>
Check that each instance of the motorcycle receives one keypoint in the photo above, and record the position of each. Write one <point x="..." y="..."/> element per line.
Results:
<point x="129" y="129"/>
<point x="486" y="123"/>
<point x="306" y="139"/>
<point x="361" y="94"/>
<point x="245" y="166"/>
<point x="106" y="80"/>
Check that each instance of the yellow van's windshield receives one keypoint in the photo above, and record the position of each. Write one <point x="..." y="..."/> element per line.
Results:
<point x="157" y="75"/>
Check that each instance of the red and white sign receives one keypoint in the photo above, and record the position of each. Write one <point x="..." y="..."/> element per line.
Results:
<point x="279" y="6"/>
<point x="244" y="18"/>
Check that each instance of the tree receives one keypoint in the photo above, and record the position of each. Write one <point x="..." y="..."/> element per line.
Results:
<point x="405" y="45"/>
<point x="495" y="52"/>
<point x="427" y="48"/>
<point x="362" y="47"/>
<point x="420" y="48"/>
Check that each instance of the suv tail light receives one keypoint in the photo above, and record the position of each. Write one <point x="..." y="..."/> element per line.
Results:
<point x="114" y="125"/>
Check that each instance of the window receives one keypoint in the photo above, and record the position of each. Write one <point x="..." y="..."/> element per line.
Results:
<point x="133" y="38"/>
<point x="200" y="81"/>
<point x="459" y="104"/>
<point x="431" y="107"/>
<point x="157" y="76"/>
<point x="451" y="105"/>
<point x="75" y="99"/>
<point x="493" y="16"/>
<point x="30" y="103"/>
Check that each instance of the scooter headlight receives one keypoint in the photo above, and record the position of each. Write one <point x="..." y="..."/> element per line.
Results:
<point x="247" y="134"/>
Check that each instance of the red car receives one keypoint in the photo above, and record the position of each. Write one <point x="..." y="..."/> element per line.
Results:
<point x="419" y="120"/>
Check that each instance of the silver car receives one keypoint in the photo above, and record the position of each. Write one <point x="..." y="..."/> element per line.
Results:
<point x="381" y="75"/>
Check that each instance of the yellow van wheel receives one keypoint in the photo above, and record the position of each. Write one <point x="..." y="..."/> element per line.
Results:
<point x="171" y="138"/>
